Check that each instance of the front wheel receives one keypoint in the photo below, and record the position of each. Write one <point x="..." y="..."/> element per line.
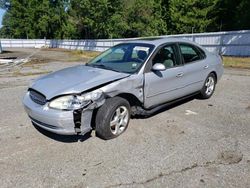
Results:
<point x="209" y="87"/>
<point x="112" y="118"/>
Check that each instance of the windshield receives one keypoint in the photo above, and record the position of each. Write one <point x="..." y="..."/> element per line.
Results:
<point x="127" y="58"/>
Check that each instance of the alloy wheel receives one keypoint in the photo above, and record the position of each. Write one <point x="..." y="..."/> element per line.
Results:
<point x="119" y="120"/>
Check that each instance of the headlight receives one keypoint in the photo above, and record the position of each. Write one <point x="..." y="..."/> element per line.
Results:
<point x="66" y="103"/>
<point x="72" y="102"/>
<point x="92" y="95"/>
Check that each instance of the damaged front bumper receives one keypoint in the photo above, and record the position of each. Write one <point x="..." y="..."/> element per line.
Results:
<point x="60" y="121"/>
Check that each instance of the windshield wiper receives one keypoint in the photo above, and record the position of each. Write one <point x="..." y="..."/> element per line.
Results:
<point x="102" y="66"/>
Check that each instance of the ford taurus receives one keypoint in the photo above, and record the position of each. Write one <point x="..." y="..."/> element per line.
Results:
<point x="133" y="78"/>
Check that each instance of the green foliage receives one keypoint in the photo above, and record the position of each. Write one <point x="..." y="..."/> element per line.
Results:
<point x="144" y="18"/>
<point x="79" y="19"/>
<point x="116" y="18"/>
<point x="242" y="16"/>
<point x="92" y="18"/>
<point x="191" y="14"/>
<point x="35" y="19"/>
<point x="233" y="15"/>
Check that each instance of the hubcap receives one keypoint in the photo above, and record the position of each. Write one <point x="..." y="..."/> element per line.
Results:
<point x="119" y="120"/>
<point x="209" y="85"/>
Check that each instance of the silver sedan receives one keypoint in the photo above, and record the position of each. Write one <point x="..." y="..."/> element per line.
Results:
<point x="133" y="78"/>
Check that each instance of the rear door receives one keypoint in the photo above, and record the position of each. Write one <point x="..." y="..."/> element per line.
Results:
<point x="195" y="67"/>
<point x="167" y="85"/>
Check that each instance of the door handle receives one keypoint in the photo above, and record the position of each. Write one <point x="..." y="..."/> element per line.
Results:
<point x="179" y="74"/>
<point x="205" y="67"/>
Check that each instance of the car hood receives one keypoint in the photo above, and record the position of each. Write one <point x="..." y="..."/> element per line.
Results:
<point x="75" y="79"/>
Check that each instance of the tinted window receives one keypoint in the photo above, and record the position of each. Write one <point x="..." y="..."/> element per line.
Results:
<point x="190" y="53"/>
<point x="166" y="56"/>
<point x="203" y="54"/>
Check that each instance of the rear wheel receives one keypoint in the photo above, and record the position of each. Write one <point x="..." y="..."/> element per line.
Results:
<point x="112" y="118"/>
<point x="209" y="86"/>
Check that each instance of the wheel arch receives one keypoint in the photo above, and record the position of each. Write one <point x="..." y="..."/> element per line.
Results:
<point x="215" y="74"/>
<point x="132" y="99"/>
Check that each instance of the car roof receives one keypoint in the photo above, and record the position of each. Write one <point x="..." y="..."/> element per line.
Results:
<point x="157" y="41"/>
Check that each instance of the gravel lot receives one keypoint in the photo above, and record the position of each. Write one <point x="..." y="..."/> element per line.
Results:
<point x="196" y="143"/>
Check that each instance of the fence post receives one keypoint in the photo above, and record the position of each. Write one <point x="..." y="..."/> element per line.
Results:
<point x="44" y="41"/>
<point x="1" y="50"/>
<point x="221" y="43"/>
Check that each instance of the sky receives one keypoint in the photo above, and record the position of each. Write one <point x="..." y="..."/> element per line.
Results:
<point x="1" y="16"/>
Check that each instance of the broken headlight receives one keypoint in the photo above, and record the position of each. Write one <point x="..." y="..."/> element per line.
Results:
<point x="92" y="96"/>
<point x="73" y="102"/>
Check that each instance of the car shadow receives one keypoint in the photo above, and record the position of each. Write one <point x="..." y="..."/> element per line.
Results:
<point x="168" y="107"/>
<point x="63" y="138"/>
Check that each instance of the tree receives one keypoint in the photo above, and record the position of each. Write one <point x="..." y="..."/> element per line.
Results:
<point x="35" y="19"/>
<point x="242" y="18"/>
<point x="95" y="19"/>
<point x="226" y="13"/>
<point x="144" y="18"/>
<point x="190" y="15"/>
<point x="233" y="15"/>
<point x="117" y="18"/>
<point x="89" y="19"/>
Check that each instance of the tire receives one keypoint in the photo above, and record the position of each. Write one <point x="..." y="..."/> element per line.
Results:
<point x="208" y="87"/>
<point x="112" y="118"/>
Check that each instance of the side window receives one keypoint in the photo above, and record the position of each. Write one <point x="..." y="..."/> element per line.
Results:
<point x="190" y="53"/>
<point x="166" y="55"/>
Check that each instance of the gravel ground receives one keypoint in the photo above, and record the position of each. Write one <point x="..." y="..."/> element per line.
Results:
<point x="196" y="143"/>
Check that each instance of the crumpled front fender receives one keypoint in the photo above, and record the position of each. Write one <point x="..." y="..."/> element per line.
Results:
<point x="129" y="85"/>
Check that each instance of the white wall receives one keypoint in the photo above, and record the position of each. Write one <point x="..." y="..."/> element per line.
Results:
<point x="233" y="43"/>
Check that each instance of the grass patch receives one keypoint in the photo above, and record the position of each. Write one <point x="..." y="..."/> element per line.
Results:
<point x="74" y="55"/>
<point x="237" y="62"/>
<point x="55" y="49"/>
<point x="80" y="55"/>
<point x="85" y="54"/>
<point x="18" y="73"/>
<point x="35" y="61"/>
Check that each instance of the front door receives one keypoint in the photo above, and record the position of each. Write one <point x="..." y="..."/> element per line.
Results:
<point x="167" y="85"/>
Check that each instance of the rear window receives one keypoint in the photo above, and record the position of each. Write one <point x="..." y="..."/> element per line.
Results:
<point x="191" y="53"/>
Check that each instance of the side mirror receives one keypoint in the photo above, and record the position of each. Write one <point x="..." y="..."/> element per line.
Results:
<point x="158" y="67"/>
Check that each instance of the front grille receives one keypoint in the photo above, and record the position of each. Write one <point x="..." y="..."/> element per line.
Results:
<point x="37" y="97"/>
